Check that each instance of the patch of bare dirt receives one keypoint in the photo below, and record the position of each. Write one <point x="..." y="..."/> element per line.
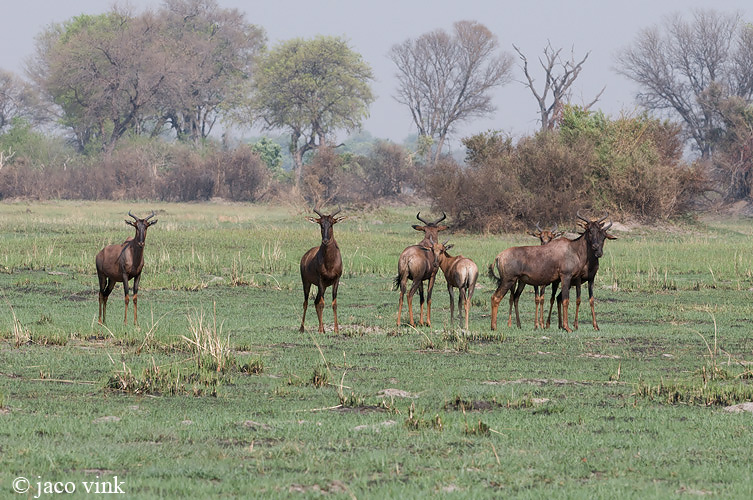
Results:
<point x="332" y="487"/>
<point x="376" y="427"/>
<point x="396" y="393"/>
<point x="740" y="408"/>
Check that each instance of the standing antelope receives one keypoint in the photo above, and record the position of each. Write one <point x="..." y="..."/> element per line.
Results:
<point x="322" y="266"/>
<point x="120" y="263"/>
<point x="544" y="236"/>
<point x="459" y="272"/>
<point x="562" y="259"/>
<point x="588" y="273"/>
<point x="418" y="263"/>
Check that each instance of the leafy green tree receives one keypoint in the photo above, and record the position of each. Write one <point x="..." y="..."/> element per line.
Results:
<point x="184" y="67"/>
<point x="271" y="154"/>
<point x="215" y="50"/>
<point x="312" y="89"/>
<point x="102" y="72"/>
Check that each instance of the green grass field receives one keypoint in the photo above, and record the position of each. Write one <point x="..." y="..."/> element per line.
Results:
<point x="217" y="394"/>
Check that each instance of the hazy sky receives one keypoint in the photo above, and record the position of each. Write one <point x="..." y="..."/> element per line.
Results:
<point x="600" y="27"/>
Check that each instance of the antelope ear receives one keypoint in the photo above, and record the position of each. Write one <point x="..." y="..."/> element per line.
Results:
<point x="442" y="228"/>
<point x="533" y="234"/>
<point x="339" y="219"/>
<point x="419" y="228"/>
<point x="449" y="246"/>
<point x="313" y="220"/>
<point x="152" y="222"/>
<point x="611" y="236"/>
<point x="130" y="223"/>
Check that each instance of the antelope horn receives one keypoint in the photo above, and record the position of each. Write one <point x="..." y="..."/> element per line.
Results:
<point x="129" y="213"/>
<point x="554" y="229"/>
<point x="339" y="209"/>
<point x="317" y="212"/>
<point x="153" y="214"/>
<point x="539" y="228"/>
<point x="446" y="242"/>
<point x="444" y="216"/>
<point x="418" y="216"/>
<point x="581" y="217"/>
<point x="607" y="227"/>
<point x="603" y="218"/>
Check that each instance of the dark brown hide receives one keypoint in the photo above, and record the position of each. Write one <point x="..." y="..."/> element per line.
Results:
<point x="322" y="266"/>
<point x="418" y="263"/>
<point x="120" y="263"/>
<point x="562" y="259"/>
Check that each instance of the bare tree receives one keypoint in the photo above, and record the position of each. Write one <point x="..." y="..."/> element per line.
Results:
<point x="559" y="76"/>
<point x="447" y="78"/>
<point x="18" y="100"/>
<point x="689" y="67"/>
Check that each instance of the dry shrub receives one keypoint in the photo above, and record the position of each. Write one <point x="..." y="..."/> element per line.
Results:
<point x="629" y="167"/>
<point x="539" y="180"/>
<point x="731" y="166"/>
<point x="554" y="176"/>
<point x="387" y="170"/>
<point x="320" y="177"/>
<point x="246" y="177"/>
<point x="639" y="171"/>
<point x="186" y="178"/>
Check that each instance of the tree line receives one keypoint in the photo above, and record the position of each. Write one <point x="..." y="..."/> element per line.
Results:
<point x="167" y="77"/>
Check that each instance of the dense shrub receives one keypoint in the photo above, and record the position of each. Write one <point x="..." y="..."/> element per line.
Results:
<point x="732" y="162"/>
<point x="387" y="169"/>
<point x="142" y="169"/>
<point x="246" y="175"/>
<point x="628" y="167"/>
<point x="386" y="172"/>
<point x="539" y="180"/>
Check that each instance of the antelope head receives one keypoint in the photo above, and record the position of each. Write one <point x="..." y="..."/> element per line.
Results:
<point x="141" y="225"/>
<point x="595" y="233"/>
<point x="326" y="222"/>
<point x="430" y="229"/>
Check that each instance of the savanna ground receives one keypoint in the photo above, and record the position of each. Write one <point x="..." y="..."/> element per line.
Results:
<point x="258" y="410"/>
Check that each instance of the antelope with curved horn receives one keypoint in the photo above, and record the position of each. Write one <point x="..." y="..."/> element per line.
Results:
<point x="459" y="272"/>
<point x="597" y="230"/>
<point x="418" y="263"/>
<point x="562" y="259"/>
<point x="120" y="263"/>
<point x="322" y="266"/>
<point x="544" y="236"/>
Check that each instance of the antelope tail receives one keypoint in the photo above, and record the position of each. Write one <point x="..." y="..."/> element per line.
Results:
<point x="396" y="282"/>
<point x="492" y="275"/>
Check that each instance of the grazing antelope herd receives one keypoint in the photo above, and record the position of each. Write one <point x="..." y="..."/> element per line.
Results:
<point x="558" y="261"/>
